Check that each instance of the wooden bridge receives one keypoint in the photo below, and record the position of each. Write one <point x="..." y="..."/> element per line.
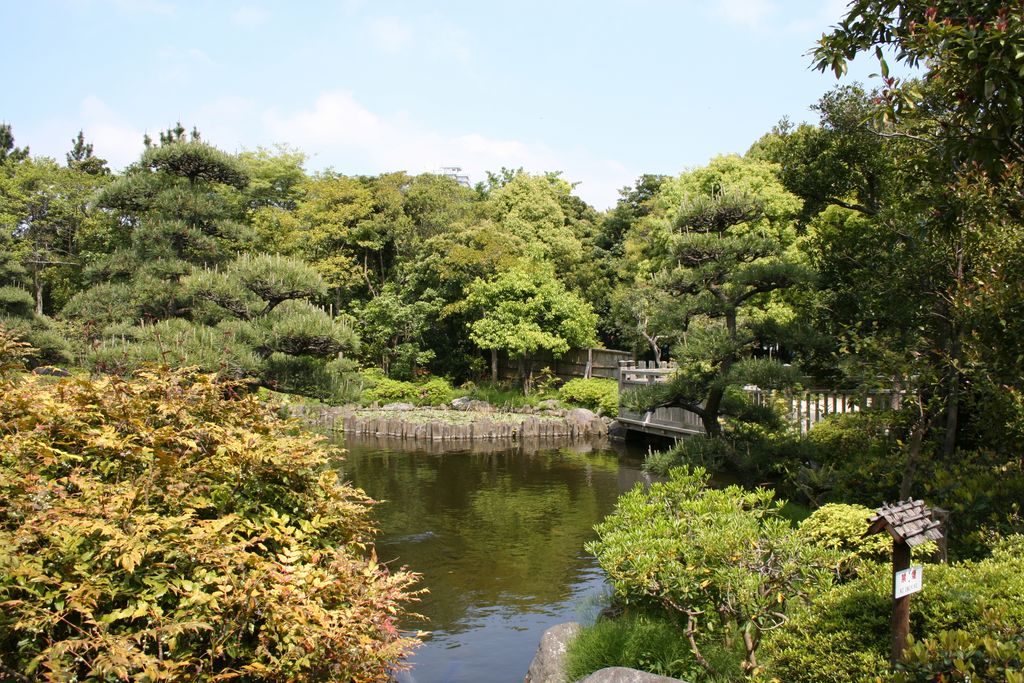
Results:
<point x="802" y="409"/>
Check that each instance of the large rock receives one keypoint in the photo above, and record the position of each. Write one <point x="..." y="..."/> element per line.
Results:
<point x="620" y="674"/>
<point x="471" y="404"/>
<point x="50" y="371"/>
<point x="548" y="665"/>
<point x="580" y="415"/>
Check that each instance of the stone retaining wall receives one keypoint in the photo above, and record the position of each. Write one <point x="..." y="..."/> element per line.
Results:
<point x="574" y="425"/>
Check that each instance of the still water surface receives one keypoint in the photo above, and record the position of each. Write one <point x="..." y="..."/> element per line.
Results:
<point x="498" y="535"/>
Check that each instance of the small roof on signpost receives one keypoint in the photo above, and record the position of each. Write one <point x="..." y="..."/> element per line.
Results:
<point x="908" y="521"/>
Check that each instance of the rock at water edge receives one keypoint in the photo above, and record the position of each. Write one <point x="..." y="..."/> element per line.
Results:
<point x="620" y="674"/>
<point x="548" y="665"/>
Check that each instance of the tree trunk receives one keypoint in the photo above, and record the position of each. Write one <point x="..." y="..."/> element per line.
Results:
<point x="655" y="349"/>
<point x="494" y="365"/>
<point x="37" y="283"/>
<point x="713" y="403"/>
<point x="953" y="373"/>
<point x="710" y="415"/>
<point x="917" y="435"/>
<point x="525" y="374"/>
<point x="952" y="414"/>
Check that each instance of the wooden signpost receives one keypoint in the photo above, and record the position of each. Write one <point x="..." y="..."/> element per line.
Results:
<point x="910" y="524"/>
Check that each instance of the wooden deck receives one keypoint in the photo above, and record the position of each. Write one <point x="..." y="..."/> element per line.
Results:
<point x="802" y="409"/>
<point x="669" y="422"/>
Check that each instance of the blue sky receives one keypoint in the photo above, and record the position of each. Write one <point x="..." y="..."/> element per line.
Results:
<point x="603" y="91"/>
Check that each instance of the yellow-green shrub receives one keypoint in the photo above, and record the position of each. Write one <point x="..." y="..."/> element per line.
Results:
<point x="600" y="395"/>
<point x="165" y="528"/>
<point x="435" y="391"/>
<point x="843" y="634"/>
<point x="841" y="527"/>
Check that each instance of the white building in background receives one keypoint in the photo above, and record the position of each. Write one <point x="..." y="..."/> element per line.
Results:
<point x="456" y="174"/>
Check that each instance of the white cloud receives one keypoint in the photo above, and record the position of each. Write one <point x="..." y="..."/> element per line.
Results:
<point x="748" y="13"/>
<point x="113" y="138"/>
<point x="337" y="131"/>
<point x="389" y="34"/>
<point x="342" y="132"/>
<point x="250" y="15"/>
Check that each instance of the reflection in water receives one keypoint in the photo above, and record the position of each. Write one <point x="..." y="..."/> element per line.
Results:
<point x="498" y="537"/>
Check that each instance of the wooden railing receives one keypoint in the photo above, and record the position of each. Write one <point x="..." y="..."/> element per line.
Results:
<point x="670" y="422"/>
<point x="803" y="409"/>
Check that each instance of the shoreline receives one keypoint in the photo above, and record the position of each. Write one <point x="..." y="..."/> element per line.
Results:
<point x="443" y="424"/>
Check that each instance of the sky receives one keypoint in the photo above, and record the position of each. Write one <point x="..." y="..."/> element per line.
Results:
<point x="601" y="91"/>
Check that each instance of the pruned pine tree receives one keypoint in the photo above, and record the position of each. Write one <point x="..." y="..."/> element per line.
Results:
<point x="718" y="258"/>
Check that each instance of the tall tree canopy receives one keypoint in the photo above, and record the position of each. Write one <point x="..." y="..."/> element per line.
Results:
<point x="718" y="243"/>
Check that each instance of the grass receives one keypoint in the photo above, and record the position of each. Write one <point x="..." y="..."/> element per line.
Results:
<point x="504" y="395"/>
<point x="794" y="512"/>
<point x="651" y="643"/>
<point x="641" y="642"/>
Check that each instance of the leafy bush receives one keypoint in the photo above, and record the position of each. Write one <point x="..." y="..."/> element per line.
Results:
<point x="841" y="527"/>
<point x="16" y="302"/>
<point x="435" y="391"/>
<point x="843" y="634"/>
<point x="961" y="656"/>
<point x="695" y="451"/>
<point x="504" y="395"/>
<point x="853" y="458"/>
<point x="643" y="642"/>
<point x="164" y="529"/>
<point x="697" y="551"/>
<point x="14" y="352"/>
<point x="599" y="395"/>
<point x="39" y="331"/>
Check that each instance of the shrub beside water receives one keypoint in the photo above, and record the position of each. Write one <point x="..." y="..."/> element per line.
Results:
<point x="166" y="528"/>
<point x="599" y="395"/>
<point x="435" y="391"/>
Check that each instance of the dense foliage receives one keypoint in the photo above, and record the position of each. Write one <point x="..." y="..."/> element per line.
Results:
<point x="599" y="395"/>
<point x="878" y="248"/>
<point x="722" y="560"/>
<point x="167" y="529"/>
<point x="843" y="634"/>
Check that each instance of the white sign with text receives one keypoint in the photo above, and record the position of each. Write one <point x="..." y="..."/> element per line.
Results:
<point x="908" y="581"/>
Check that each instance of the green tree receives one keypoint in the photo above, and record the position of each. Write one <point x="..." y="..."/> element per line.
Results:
<point x="44" y="208"/>
<point x="973" y="52"/>
<point x="719" y="242"/>
<point x="635" y="202"/>
<point x="175" y="209"/>
<point x="250" y="319"/>
<point x="524" y="310"/>
<point x="82" y="159"/>
<point x="839" y="162"/>
<point x="394" y="330"/>
<point x="722" y="560"/>
<point x="8" y="152"/>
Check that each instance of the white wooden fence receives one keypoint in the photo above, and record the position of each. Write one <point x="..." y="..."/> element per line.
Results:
<point x="803" y="409"/>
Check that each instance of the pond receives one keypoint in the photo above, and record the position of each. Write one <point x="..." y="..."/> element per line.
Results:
<point x="498" y="534"/>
